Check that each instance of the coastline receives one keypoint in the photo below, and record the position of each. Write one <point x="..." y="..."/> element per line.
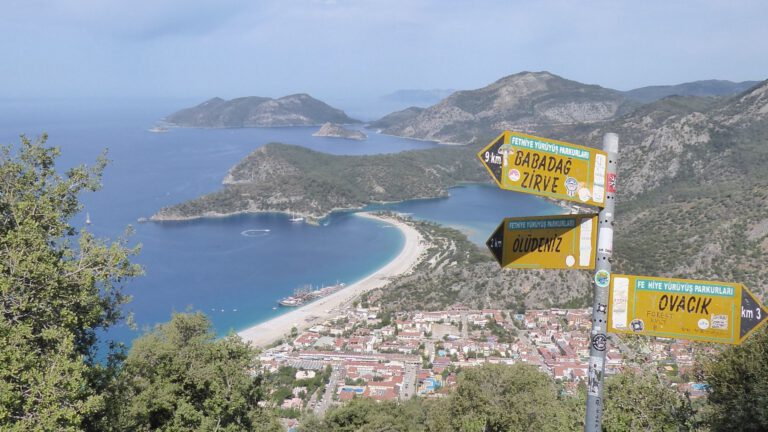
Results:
<point x="267" y="332"/>
<point x="312" y="219"/>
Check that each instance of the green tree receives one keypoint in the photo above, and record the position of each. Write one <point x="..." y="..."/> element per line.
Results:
<point x="738" y="386"/>
<point x="58" y="288"/>
<point x="367" y="415"/>
<point x="497" y="398"/>
<point x="644" y="402"/>
<point x="179" y="378"/>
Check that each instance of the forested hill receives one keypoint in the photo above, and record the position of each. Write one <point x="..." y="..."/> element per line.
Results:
<point x="287" y="178"/>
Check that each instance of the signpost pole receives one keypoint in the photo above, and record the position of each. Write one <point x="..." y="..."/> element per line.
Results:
<point x="601" y="282"/>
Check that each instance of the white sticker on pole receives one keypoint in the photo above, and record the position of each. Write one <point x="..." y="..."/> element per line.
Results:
<point x="620" y="300"/>
<point x="598" y="192"/>
<point x="585" y="242"/>
<point x="605" y="241"/>
<point x="599" y="170"/>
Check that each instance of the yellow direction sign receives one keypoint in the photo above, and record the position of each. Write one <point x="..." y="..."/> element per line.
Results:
<point x="546" y="242"/>
<point x="683" y="309"/>
<point x="540" y="166"/>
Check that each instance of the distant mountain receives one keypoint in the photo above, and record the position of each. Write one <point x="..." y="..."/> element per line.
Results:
<point x="396" y="117"/>
<point x="527" y="101"/>
<point x="696" y="88"/>
<point x="334" y="130"/>
<point x="253" y="111"/>
<point x="422" y="98"/>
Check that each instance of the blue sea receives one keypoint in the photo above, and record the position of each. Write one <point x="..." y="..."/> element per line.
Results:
<point x="235" y="268"/>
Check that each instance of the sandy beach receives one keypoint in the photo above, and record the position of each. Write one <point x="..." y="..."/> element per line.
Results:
<point x="320" y="310"/>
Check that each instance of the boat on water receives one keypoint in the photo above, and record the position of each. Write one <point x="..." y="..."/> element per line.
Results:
<point x="159" y="129"/>
<point x="291" y="301"/>
<point x="307" y="294"/>
<point x="87" y="218"/>
<point x="295" y="218"/>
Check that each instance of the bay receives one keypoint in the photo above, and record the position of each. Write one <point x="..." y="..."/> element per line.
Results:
<point x="236" y="268"/>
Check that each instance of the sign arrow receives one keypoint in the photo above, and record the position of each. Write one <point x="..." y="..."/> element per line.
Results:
<point x="753" y="314"/>
<point x="496" y="243"/>
<point x="546" y="242"/>
<point x="492" y="159"/>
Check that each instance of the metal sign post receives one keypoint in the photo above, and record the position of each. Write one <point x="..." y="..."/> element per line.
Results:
<point x="601" y="282"/>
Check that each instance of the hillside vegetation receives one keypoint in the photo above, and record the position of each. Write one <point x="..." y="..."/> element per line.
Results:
<point x="694" y="189"/>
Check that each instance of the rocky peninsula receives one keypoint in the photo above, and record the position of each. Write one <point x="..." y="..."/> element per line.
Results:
<point x="292" y="179"/>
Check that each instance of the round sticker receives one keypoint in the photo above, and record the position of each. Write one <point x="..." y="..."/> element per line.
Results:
<point x="571" y="185"/>
<point x="603" y="278"/>
<point x="703" y="324"/>
<point x="584" y="194"/>
<point x="570" y="260"/>
<point x="514" y="175"/>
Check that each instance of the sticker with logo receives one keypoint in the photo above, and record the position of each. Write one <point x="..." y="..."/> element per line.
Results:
<point x="599" y="342"/>
<point x="603" y="278"/>
<point x="571" y="184"/>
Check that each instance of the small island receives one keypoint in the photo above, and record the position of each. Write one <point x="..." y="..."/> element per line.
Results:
<point x="333" y="130"/>
<point x="254" y="111"/>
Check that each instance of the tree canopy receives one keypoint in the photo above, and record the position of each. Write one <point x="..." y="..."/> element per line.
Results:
<point x="738" y="386"/>
<point x="179" y="377"/>
<point x="58" y="287"/>
<point x="644" y="402"/>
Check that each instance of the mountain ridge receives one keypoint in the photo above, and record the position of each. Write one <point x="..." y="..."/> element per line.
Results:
<point x="525" y="101"/>
<point x="694" y="88"/>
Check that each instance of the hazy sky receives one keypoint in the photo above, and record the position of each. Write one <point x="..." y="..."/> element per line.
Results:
<point x="348" y="48"/>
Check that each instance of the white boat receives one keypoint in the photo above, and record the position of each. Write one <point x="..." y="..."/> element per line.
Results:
<point x="87" y="218"/>
<point x="296" y="218"/>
